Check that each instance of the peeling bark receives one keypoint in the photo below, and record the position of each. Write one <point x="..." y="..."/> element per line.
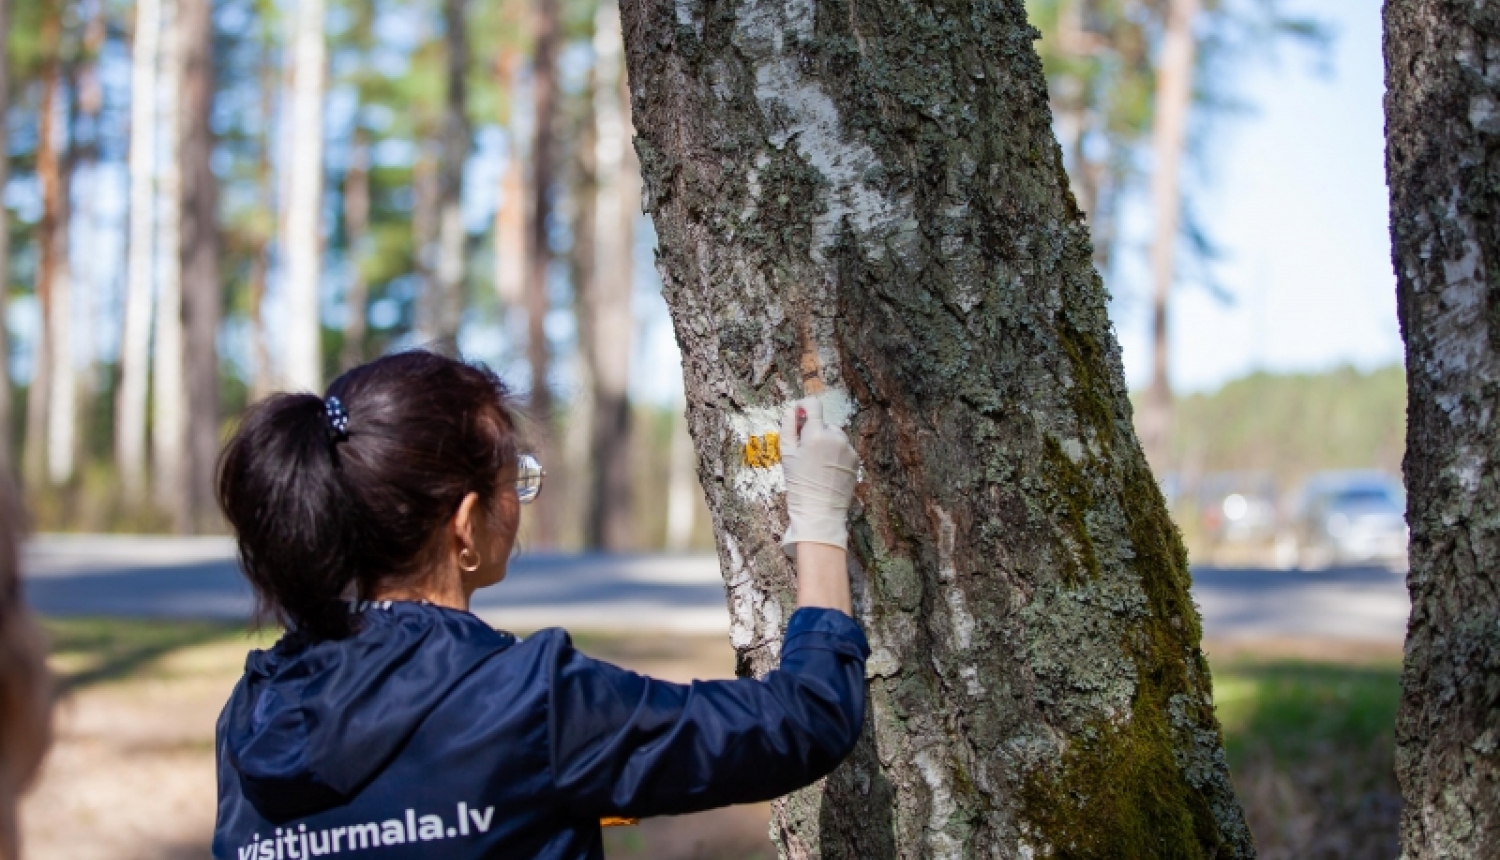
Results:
<point x="866" y="196"/>
<point x="1442" y="157"/>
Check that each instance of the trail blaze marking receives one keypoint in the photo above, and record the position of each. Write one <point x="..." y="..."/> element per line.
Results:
<point x="763" y="452"/>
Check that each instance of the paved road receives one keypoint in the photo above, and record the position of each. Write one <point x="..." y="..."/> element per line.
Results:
<point x="197" y="578"/>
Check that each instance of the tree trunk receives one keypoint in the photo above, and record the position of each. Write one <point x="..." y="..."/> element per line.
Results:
<point x="510" y="213"/>
<point x="7" y="442"/>
<point x="1443" y="150"/>
<point x="302" y="243"/>
<point x="263" y="377"/>
<point x="62" y="370"/>
<point x="578" y="434"/>
<point x="202" y="293"/>
<point x="356" y="228"/>
<point x="547" y="33"/>
<point x="49" y="169"/>
<point x="424" y="231"/>
<point x="452" y="241"/>
<point x="135" y="341"/>
<point x="168" y="377"/>
<point x="867" y="196"/>
<point x="610" y="321"/>
<point x="1174" y="96"/>
<point x="682" y="485"/>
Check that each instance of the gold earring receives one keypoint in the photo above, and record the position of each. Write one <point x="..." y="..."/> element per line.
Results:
<point x="467" y="568"/>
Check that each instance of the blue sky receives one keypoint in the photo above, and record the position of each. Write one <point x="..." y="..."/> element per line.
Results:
<point x="1294" y="199"/>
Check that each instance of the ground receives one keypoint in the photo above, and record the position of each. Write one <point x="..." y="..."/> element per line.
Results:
<point x="1308" y="732"/>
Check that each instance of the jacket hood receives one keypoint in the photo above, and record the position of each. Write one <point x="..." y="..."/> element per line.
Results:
<point x="310" y="724"/>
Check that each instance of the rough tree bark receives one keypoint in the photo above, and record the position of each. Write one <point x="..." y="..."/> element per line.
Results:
<point x="1442" y="158"/>
<point x="202" y="294"/>
<point x="867" y="195"/>
<point x="135" y="341"/>
<point x="1174" y="97"/>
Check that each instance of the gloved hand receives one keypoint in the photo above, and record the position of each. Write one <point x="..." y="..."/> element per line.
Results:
<point x="821" y="470"/>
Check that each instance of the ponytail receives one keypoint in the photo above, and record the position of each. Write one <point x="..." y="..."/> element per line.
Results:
<point x="329" y="499"/>
<point x="279" y="486"/>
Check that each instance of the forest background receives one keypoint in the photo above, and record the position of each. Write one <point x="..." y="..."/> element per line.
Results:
<point x="470" y="185"/>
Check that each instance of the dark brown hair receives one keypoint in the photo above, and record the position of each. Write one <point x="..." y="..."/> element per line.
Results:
<point x="25" y="684"/>
<point x="323" y="517"/>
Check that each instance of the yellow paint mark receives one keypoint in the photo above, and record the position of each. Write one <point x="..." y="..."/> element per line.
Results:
<point x="763" y="452"/>
<point x="618" y="822"/>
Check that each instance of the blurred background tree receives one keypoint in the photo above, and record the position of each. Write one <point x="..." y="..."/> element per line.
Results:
<point x="312" y="183"/>
<point x="1136" y="86"/>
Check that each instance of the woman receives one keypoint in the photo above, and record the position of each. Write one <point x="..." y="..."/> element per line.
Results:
<point x="390" y="721"/>
<point x="25" y="686"/>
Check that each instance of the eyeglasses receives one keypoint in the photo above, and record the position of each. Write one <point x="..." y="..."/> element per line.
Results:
<point x="529" y="475"/>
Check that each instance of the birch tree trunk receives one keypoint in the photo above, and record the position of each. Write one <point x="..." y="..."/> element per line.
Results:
<point x="135" y="341"/>
<point x="1443" y="151"/>
<point x="7" y="440"/>
<point x="62" y="364"/>
<point x="611" y="323"/>
<point x="302" y="243"/>
<point x="168" y="378"/>
<point x="202" y="293"/>
<point x="1174" y="96"/>
<point x="865" y="197"/>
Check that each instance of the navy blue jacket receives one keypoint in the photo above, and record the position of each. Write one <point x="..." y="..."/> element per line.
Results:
<point x="429" y="734"/>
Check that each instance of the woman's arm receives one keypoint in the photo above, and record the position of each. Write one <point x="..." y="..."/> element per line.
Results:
<point x="633" y="746"/>
<point x="823" y="577"/>
<point x="626" y="745"/>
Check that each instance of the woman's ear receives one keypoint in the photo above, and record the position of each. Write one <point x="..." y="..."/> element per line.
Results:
<point x="464" y="522"/>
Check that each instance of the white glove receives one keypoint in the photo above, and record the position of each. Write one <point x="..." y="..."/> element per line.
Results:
<point x="821" y="470"/>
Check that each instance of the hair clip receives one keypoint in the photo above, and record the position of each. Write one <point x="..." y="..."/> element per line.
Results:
<point x="338" y="418"/>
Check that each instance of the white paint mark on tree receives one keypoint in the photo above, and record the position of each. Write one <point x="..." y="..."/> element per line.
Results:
<point x="798" y="110"/>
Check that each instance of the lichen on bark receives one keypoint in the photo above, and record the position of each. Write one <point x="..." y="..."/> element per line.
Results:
<point x="875" y="184"/>
<point x="1442" y="164"/>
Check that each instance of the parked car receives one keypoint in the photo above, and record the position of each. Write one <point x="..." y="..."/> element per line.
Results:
<point x="1346" y="518"/>
<point x="1237" y="517"/>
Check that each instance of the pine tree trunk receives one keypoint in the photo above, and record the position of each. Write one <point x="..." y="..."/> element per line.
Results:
<point x="510" y="213"/>
<point x="49" y="169"/>
<point x="7" y="441"/>
<point x="547" y="35"/>
<point x="202" y="294"/>
<point x="1174" y="95"/>
<point x="302" y="242"/>
<point x="1443" y="152"/>
<point x="135" y="341"/>
<point x="356" y="227"/>
<point x="867" y="196"/>
<point x="168" y="377"/>
<point x="611" y="323"/>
